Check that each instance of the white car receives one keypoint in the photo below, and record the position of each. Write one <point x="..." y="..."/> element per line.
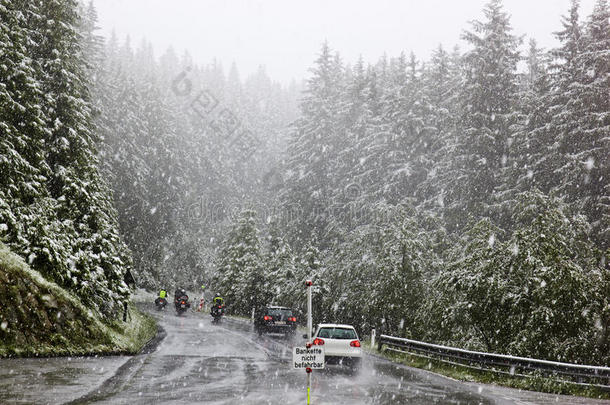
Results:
<point x="341" y="344"/>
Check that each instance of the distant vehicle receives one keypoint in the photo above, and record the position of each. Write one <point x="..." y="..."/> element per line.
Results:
<point x="341" y="344"/>
<point x="276" y="319"/>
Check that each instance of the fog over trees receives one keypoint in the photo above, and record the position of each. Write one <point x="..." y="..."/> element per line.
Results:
<point x="461" y="200"/>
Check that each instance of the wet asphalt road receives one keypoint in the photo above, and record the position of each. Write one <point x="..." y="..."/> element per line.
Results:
<point x="198" y="362"/>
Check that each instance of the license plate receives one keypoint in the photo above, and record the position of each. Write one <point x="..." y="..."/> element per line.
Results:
<point x="280" y="322"/>
<point x="183" y="306"/>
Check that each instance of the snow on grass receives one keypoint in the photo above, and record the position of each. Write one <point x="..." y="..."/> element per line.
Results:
<point x="121" y="337"/>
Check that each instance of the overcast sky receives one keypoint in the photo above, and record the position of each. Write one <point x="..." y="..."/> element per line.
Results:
<point x="286" y="35"/>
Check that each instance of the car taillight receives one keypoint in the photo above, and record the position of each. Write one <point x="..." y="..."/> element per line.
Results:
<point x="354" y="343"/>
<point x="318" y="342"/>
<point x="267" y="318"/>
<point x="292" y="319"/>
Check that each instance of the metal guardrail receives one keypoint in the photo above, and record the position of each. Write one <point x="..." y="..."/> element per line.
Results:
<point x="576" y="373"/>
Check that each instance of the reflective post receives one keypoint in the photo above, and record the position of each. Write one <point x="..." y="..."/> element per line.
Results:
<point x="309" y="283"/>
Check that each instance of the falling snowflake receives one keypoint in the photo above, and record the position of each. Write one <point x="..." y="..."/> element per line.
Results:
<point x="441" y="201"/>
<point x="492" y="240"/>
<point x="590" y="163"/>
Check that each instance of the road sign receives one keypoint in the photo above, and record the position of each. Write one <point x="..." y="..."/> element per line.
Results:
<point x="303" y="357"/>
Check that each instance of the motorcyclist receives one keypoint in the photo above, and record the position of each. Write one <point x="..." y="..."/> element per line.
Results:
<point x="217" y="302"/>
<point x="180" y="293"/>
<point x="162" y="296"/>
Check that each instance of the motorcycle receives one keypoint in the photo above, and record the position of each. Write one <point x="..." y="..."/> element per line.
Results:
<point x="217" y="313"/>
<point x="182" y="304"/>
<point x="160" y="303"/>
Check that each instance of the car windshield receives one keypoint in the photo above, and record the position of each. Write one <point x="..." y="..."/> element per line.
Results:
<point x="279" y="313"/>
<point x="337" y="333"/>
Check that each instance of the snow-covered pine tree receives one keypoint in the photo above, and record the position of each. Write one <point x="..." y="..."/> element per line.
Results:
<point x="312" y="267"/>
<point x="376" y="276"/>
<point x="441" y="83"/>
<point x="408" y="115"/>
<point x="354" y="276"/>
<point x="240" y="276"/>
<point x="357" y="120"/>
<point x="280" y="268"/>
<point x="84" y="207"/>
<point x="25" y="205"/>
<point x="591" y="139"/>
<point x="360" y="166"/>
<point x="580" y="118"/>
<point x="404" y="259"/>
<point x="532" y="143"/>
<point x="488" y="102"/>
<point x="563" y="102"/>
<point x="313" y="147"/>
<point x="92" y="44"/>
<point x="143" y="160"/>
<point x="67" y="230"/>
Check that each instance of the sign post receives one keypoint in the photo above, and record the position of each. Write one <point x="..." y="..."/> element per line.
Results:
<point x="309" y="283"/>
<point x="309" y="358"/>
<point x="304" y="358"/>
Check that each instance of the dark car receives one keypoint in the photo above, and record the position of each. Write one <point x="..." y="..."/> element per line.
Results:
<point x="276" y="319"/>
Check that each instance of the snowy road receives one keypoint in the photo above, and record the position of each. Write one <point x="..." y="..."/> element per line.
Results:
<point x="199" y="362"/>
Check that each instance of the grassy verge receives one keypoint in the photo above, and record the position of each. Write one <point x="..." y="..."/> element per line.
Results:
<point x="39" y="318"/>
<point x="463" y="373"/>
<point x="131" y="336"/>
<point x="245" y="319"/>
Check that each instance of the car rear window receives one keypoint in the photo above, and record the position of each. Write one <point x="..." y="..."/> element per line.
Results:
<point x="279" y="313"/>
<point x="337" y="333"/>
